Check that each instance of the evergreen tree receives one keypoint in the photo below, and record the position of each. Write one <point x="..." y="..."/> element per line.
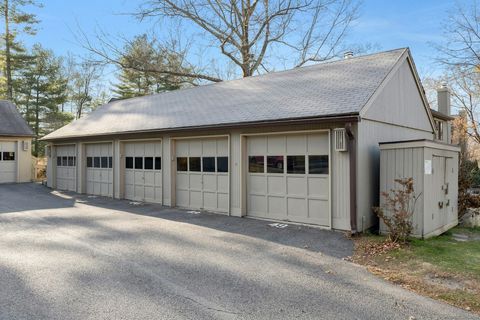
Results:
<point x="135" y="79"/>
<point x="15" y="21"/>
<point x="42" y="92"/>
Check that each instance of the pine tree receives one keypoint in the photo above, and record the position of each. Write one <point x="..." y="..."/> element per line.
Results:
<point x="42" y="91"/>
<point x="15" y="21"/>
<point x="135" y="78"/>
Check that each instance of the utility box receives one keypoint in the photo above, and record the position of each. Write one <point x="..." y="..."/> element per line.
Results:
<point x="434" y="169"/>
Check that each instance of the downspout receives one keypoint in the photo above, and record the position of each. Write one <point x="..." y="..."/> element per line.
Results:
<point x="352" y="152"/>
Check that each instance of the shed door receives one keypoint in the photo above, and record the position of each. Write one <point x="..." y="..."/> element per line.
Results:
<point x="202" y="174"/>
<point x="288" y="177"/>
<point x="66" y="166"/>
<point x="8" y="161"/>
<point x="143" y="171"/>
<point x="99" y="173"/>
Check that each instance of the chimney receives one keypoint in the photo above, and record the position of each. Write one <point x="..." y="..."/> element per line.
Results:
<point x="348" y="55"/>
<point x="443" y="98"/>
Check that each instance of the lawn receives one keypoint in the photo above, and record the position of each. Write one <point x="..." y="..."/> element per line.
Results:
<point x="442" y="267"/>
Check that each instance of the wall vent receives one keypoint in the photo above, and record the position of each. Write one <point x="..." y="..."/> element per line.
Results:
<point x="340" y="139"/>
<point x="25" y="145"/>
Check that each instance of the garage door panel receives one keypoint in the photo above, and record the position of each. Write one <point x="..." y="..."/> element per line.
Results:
<point x="209" y="147"/>
<point x="182" y="198"/>
<point x="294" y="194"/>
<point x="196" y="199"/>
<point x="222" y="147"/>
<point x="210" y="182"/>
<point x="195" y="148"/>
<point x="296" y="207"/>
<point x="138" y="177"/>
<point x="183" y="180"/>
<point x="257" y="205"/>
<point x="257" y="184"/>
<point x="318" y="187"/>
<point x="296" y="144"/>
<point x="296" y="186"/>
<point x="276" y="185"/>
<point x="181" y="147"/>
<point x="317" y="210"/>
<point x="257" y="145"/>
<point x="276" y="205"/>
<point x="276" y="145"/>
<point x="222" y="182"/>
<point x="223" y="201"/>
<point x="210" y="200"/>
<point x="195" y="181"/>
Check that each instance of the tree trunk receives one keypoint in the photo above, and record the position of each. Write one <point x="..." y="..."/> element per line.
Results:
<point x="8" y="58"/>
<point x="37" y="120"/>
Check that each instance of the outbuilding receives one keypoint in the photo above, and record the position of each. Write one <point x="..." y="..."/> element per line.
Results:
<point x="15" y="145"/>
<point x="298" y="145"/>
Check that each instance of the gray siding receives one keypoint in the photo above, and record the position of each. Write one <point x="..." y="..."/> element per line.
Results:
<point x="398" y="101"/>
<point x="370" y="134"/>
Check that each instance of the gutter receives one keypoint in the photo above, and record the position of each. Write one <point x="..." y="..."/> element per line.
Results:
<point x="352" y="153"/>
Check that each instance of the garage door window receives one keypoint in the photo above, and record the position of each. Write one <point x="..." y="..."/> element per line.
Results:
<point x="129" y="162"/>
<point x="110" y="162"/>
<point x="182" y="164"/>
<point x="138" y="163"/>
<point x="59" y="161"/>
<point x="275" y="164"/>
<point x="318" y="164"/>
<point x="148" y="163"/>
<point x="71" y="161"/>
<point x="296" y="164"/>
<point x="158" y="163"/>
<point x="208" y="164"/>
<point x="256" y="164"/>
<point x="222" y="164"/>
<point x="65" y="161"/>
<point x="96" y="162"/>
<point x="9" y="156"/>
<point x="104" y="162"/>
<point x="194" y="164"/>
<point x="89" y="162"/>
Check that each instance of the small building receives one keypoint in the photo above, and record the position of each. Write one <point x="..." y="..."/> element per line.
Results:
<point x="433" y="166"/>
<point x="299" y="145"/>
<point x="15" y="145"/>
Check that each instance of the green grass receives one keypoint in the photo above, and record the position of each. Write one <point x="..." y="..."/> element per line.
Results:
<point x="446" y="253"/>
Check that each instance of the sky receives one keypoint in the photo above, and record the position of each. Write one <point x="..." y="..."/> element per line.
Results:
<point x="384" y="23"/>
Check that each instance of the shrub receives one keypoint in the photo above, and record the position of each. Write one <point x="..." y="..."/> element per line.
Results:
<point x="398" y="209"/>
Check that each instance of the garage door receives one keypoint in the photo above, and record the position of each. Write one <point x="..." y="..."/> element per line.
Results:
<point x="8" y="161"/>
<point x="288" y="178"/>
<point x="143" y="171"/>
<point x="99" y="173"/>
<point x="202" y="174"/>
<point x="66" y="167"/>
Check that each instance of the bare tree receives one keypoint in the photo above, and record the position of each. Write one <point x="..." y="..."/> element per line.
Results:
<point x="83" y="78"/>
<point x="248" y="33"/>
<point x="245" y="30"/>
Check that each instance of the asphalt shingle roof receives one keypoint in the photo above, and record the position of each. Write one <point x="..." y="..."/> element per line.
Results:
<point x="11" y="122"/>
<point x="332" y="88"/>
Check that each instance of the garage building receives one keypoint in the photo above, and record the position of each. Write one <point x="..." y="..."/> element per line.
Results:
<point x="15" y="145"/>
<point x="300" y="145"/>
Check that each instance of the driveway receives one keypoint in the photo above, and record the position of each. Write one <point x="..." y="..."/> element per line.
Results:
<point x="66" y="256"/>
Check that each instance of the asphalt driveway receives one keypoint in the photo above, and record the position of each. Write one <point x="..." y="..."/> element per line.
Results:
<point x="65" y="256"/>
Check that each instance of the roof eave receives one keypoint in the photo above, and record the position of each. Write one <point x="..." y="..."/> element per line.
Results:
<point x="349" y="117"/>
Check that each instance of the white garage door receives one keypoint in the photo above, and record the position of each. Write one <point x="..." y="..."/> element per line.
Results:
<point x="288" y="177"/>
<point x="66" y="168"/>
<point x="99" y="173"/>
<point x="8" y="161"/>
<point x="202" y="174"/>
<point x="143" y="171"/>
